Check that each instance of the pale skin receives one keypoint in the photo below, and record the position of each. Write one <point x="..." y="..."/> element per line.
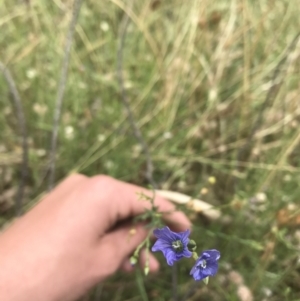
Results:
<point x="75" y="238"/>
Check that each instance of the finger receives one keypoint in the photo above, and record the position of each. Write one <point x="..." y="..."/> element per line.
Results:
<point x="115" y="247"/>
<point x="65" y="186"/>
<point x="120" y="201"/>
<point x="59" y="193"/>
<point x="69" y="183"/>
<point x="153" y="263"/>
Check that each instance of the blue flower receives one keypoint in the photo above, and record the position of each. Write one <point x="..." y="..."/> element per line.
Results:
<point x="172" y="244"/>
<point x="206" y="265"/>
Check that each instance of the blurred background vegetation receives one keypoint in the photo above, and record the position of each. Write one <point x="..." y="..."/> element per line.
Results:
<point x="214" y="89"/>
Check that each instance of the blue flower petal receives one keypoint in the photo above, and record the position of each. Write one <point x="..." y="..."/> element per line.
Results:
<point x="194" y="270"/>
<point x="187" y="253"/>
<point x="206" y="265"/>
<point x="201" y="273"/>
<point x="211" y="255"/>
<point x="170" y="255"/>
<point x="185" y="236"/>
<point x="165" y="241"/>
<point x="160" y="245"/>
<point x="211" y="270"/>
<point x="166" y="234"/>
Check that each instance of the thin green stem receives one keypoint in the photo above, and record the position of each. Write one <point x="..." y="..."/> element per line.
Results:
<point x="174" y="282"/>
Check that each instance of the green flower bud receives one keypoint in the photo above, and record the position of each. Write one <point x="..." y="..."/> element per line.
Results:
<point x="205" y="280"/>
<point x="192" y="246"/>
<point x="195" y="255"/>
<point x="133" y="260"/>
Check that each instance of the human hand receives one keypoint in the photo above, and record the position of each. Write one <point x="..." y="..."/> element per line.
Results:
<point x="78" y="235"/>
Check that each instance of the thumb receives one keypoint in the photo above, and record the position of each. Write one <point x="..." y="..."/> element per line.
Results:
<point x="118" y="245"/>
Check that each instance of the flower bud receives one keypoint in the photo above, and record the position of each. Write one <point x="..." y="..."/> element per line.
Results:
<point x="205" y="280"/>
<point x="195" y="255"/>
<point x="192" y="246"/>
<point x="133" y="260"/>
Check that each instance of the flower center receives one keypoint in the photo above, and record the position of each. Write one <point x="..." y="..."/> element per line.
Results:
<point x="177" y="246"/>
<point x="203" y="264"/>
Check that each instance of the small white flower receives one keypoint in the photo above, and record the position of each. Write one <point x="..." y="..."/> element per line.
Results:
<point x="204" y="190"/>
<point x="267" y="292"/>
<point x="69" y="132"/>
<point x="31" y="73"/>
<point x="244" y="293"/>
<point x="261" y="197"/>
<point x="41" y="152"/>
<point x="212" y="180"/>
<point x="104" y="26"/>
<point x="168" y="135"/>
<point x="128" y="84"/>
<point x="291" y="207"/>
<point x="213" y="94"/>
<point x="40" y="109"/>
<point x="101" y="138"/>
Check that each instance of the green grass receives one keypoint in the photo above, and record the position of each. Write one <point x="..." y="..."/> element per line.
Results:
<point x="197" y="74"/>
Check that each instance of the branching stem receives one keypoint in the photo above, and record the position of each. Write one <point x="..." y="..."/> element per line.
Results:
<point x="61" y="91"/>
<point x="136" y="131"/>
